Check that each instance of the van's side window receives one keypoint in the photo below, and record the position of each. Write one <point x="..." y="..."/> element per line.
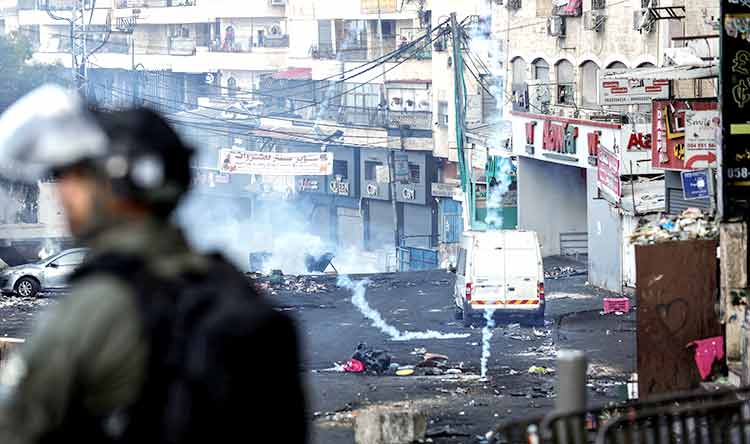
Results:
<point x="461" y="268"/>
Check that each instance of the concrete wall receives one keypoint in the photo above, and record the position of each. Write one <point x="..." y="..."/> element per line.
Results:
<point x="605" y="240"/>
<point x="551" y="200"/>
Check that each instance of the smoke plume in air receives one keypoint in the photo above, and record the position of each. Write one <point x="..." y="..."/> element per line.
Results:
<point x="486" y="337"/>
<point x="359" y="289"/>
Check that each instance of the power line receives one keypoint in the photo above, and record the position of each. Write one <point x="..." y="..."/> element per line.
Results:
<point x="329" y="99"/>
<point x="230" y="131"/>
<point x="376" y="62"/>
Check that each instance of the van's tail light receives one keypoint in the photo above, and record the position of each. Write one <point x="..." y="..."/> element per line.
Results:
<point x="469" y="290"/>
<point x="540" y="291"/>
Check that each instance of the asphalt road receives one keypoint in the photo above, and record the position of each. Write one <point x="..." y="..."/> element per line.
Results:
<point x="331" y="327"/>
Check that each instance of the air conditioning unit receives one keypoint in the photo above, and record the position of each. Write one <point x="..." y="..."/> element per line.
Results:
<point x="598" y="4"/>
<point x="556" y="26"/>
<point x="643" y="20"/>
<point x="278" y="2"/>
<point x="594" y="21"/>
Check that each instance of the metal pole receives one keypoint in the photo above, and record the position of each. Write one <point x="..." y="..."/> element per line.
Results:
<point x="391" y="154"/>
<point x="571" y="394"/>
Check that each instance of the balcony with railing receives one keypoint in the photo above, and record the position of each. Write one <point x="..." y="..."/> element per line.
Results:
<point x="250" y="45"/>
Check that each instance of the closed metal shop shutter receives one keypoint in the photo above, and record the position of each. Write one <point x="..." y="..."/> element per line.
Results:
<point x="676" y="202"/>
<point x="350" y="228"/>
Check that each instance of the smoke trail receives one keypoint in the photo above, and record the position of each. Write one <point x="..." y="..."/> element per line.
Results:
<point x="359" y="288"/>
<point x="486" y="337"/>
<point x="497" y="190"/>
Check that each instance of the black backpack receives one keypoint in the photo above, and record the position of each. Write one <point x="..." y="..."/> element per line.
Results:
<point x="223" y="367"/>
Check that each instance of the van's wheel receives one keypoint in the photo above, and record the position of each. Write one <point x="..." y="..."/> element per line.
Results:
<point x="466" y="315"/>
<point x="27" y="287"/>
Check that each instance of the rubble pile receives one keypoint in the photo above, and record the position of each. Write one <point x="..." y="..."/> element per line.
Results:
<point x="276" y="282"/>
<point x="562" y="272"/>
<point x="691" y="224"/>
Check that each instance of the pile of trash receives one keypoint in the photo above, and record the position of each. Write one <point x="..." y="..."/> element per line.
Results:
<point x="562" y="272"/>
<point x="276" y="281"/>
<point x="366" y="359"/>
<point x="690" y="224"/>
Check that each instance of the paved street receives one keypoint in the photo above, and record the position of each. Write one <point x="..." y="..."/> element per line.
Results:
<point x="419" y="301"/>
<point x="332" y="327"/>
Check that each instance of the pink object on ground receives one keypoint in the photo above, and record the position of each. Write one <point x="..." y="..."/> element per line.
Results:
<point x="354" y="366"/>
<point x="612" y="305"/>
<point x="706" y="352"/>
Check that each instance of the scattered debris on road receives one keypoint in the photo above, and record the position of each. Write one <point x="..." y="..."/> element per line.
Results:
<point x="562" y="273"/>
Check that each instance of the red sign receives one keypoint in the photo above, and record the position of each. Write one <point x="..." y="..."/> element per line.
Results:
<point x="594" y="138"/>
<point x="559" y="138"/>
<point x="668" y="131"/>
<point x="639" y="142"/>
<point x="608" y="174"/>
<point x="530" y="132"/>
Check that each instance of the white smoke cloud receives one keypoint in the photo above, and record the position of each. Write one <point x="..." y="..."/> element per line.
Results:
<point x="282" y="228"/>
<point x="10" y="206"/>
<point x="486" y="337"/>
<point x="359" y="289"/>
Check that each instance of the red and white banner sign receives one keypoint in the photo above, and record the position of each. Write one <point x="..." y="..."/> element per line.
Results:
<point x="632" y="91"/>
<point x="608" y="174"/>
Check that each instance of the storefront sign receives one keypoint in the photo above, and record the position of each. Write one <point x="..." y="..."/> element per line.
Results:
<point x="632" y="91"/>
<point x="608" y="174"/>
<point x="669" y="120"/>
<point x="409" y="193"/>
<point x="306" y="184"/>
<point x="695" y="184"/>
<point x="443" y="189"/>
<point x="338" y="186"/>
<point x="635" y="156"/>
<point x="735" y="107"/>
<point x="701" y="138"/>
<point x="559" y="139"/>
<point x="275" y="164"/>
<point x="638" y="141"/>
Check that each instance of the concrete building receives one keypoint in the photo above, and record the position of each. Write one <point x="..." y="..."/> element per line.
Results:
<point x="567" y="126"/>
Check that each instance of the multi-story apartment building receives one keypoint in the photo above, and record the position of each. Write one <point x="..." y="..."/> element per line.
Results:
<point x="574" y="136"/>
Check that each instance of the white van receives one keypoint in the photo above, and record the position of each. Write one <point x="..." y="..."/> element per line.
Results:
<point x="502" y="271"/>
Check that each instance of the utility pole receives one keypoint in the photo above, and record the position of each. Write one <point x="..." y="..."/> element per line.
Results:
<point x="391" y="153"/>
<point x="464" y="166"/>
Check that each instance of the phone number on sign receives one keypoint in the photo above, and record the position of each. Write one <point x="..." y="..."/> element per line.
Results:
<point x="738" y="173"/>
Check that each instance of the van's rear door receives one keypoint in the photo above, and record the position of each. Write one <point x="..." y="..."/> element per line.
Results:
<point x="521" y="271"/>
<point x="489" y="280"/>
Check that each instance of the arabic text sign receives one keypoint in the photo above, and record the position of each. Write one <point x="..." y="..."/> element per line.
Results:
<point x="608" y="174"/>
<point x="701" y="138"/>
<point x="632" y="91"/>
<point x="275" y="164"/>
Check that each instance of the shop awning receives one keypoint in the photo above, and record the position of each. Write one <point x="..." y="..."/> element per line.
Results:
<point x="293" y="74"/>
<point x="676" y="72"/>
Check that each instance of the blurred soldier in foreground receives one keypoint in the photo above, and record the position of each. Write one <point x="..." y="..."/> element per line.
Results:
<point x="156" y="343"/>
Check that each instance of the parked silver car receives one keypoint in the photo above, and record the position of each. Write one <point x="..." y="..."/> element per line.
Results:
<point x="47" y="275"/>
